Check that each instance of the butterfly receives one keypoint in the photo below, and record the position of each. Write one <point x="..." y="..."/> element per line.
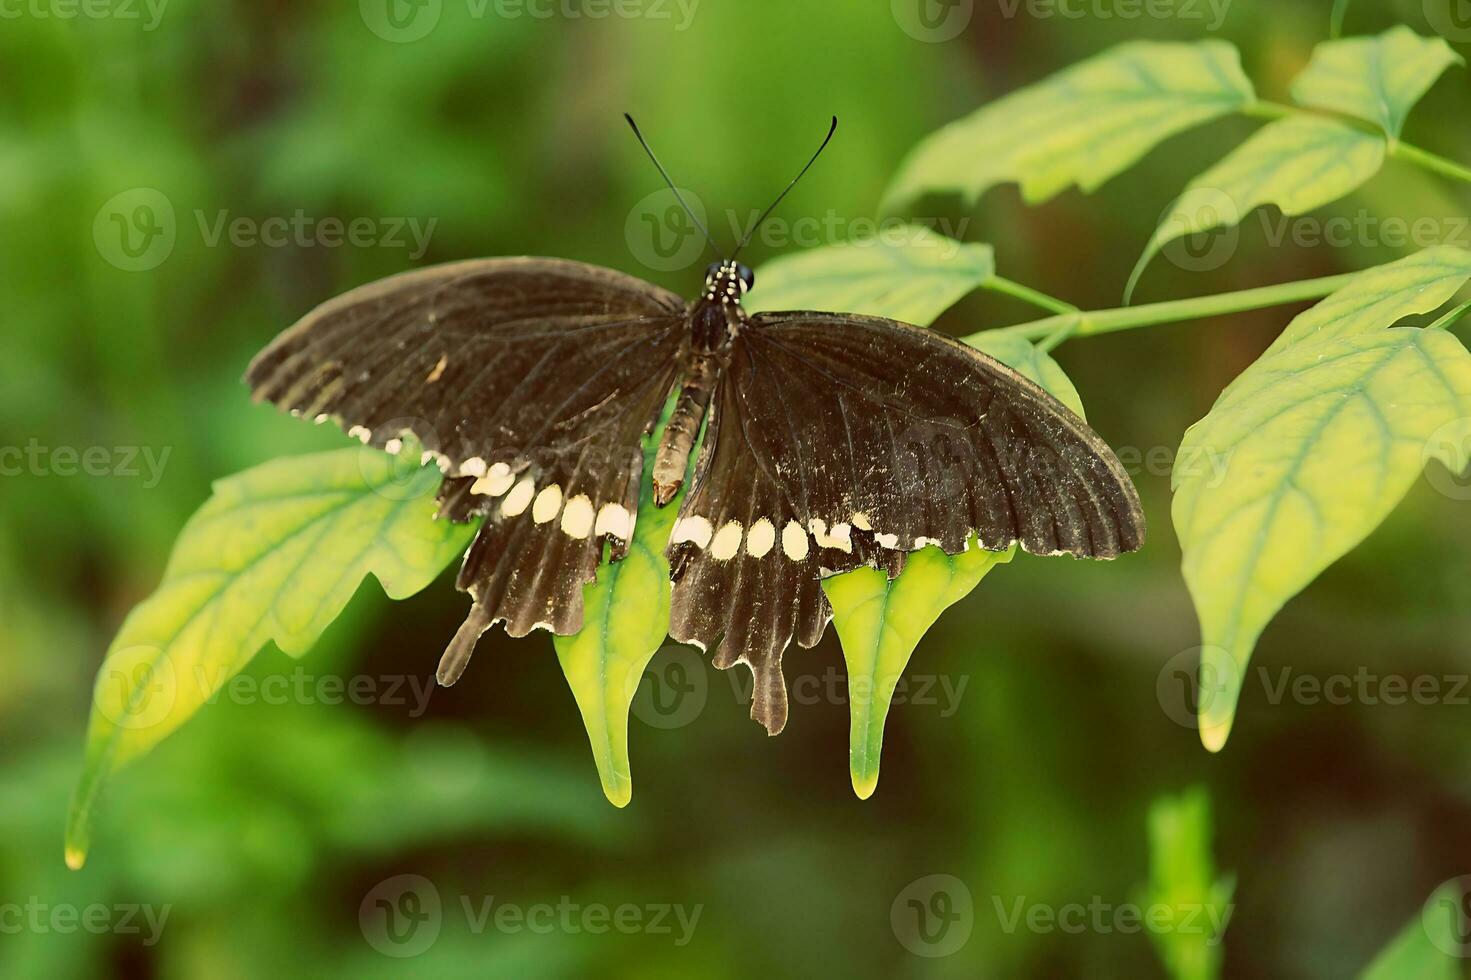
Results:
<point x="827" y="441"/>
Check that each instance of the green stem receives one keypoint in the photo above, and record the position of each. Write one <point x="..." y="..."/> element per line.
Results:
<point x="1129" y="317"/>
<point x="1027" y="294"/>
<point x="1430" y="161"/>
<point x="1407" y="152"/>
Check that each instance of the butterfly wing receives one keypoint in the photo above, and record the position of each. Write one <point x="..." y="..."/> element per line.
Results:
<point x="530" y="381"/>
<point x="838" y="441"/>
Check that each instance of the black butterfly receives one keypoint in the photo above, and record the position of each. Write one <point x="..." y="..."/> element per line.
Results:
<point x="830" y="441"/>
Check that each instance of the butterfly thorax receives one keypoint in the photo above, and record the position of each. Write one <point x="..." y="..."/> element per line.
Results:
<point x="715" y="320"/>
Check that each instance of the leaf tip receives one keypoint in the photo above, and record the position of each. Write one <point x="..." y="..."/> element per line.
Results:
<point x="75" y="855"/>
<point x="619" y="791"/>
<point x="1213" y="734"/>
<point x="864" y="783"/>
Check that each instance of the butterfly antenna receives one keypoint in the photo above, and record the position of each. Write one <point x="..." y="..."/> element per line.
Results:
<point x="767" y="213"/>
<point x="665" y="174"/>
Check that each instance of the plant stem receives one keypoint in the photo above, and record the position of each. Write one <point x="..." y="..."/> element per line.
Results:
<point x="1430" y="161"/>
<point x="1129" y="317"/>
<point x="1424" y="159"/>
<point x="1027" y="294"/>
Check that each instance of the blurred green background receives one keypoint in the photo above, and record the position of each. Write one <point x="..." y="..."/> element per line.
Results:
<point x="269" y="827"/>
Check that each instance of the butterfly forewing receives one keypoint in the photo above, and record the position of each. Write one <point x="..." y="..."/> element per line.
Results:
<point x="842" y="440"/>
<point x="530" y="381"/>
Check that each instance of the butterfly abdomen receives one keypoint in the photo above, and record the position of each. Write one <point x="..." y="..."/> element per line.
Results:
<point x="671" y="462"/>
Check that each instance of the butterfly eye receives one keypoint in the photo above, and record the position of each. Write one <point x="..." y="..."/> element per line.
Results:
<point x="748" y="278"/>
<point x="712" y="272"/>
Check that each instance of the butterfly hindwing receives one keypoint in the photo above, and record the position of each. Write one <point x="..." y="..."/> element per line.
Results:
<point x="855" y="440"/>
<point x="529" y="381"/>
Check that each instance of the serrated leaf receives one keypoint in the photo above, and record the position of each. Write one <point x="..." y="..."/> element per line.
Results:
<point x="1298" y="164"/>
<point x="1183" y="878"/>
<point x="1423" y="948"/>
<point x="1314" y="445"/>
<point x="625" y="619"/>
<point x="1377" y="79"/>
<point x="1081" y="126"/>
<point x="909" y="273"/>
<point x="274" y="555"/>
<point x="880" y="620"/>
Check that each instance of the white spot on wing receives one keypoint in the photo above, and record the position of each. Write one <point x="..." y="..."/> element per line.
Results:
<point x="727" y="541"/>
<point x="519" y="498"/>
<point x="760" y="539"/>
<point x="474" y="466"/>
<point x="696" y="530"/>
<point x="496" y="481"/>
<point x="360" y="433"/>
<point x="577" y="518"/>
<point x="794" y="541"/>
<point x="861" y="521"/>
<point x="548" y="504"/>
<point x="393" y="446"/>
<point x="615" y="519"/>
<point x="887" y="540"/>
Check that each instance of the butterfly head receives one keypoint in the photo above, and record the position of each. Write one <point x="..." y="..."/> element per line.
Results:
<point x="728" y="282"/>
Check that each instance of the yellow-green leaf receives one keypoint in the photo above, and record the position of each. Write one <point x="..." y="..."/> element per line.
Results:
<point x="1431" y="945"/>
<point x="1081" y="126"/>
<point x="1319" y="440"/>
<point x="274" y="555"/>
<point x="1377" y="79"/>
<point x="907" y="273"/>
<point x="625" y="619"/>
<point x="1183" y="880"/>
<point x="1298" y="164"/>
<point x="880" y="620"/>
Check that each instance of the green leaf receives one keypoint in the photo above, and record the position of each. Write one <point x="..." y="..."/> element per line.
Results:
<point x="1377" y="79"/>
<point x="274" y="555"/>
<point x="1183" y="879"/>
<point x="1081" y="126"/>
<point x="625" y="619"/>
<point x="1031" y="362"/>
<point x="1313" y="446"/>
<point x="1423" y="949"/>
<point x="881" y="620"/>
<point x="1298" y="163"/>
<point x="908" y="273"/>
